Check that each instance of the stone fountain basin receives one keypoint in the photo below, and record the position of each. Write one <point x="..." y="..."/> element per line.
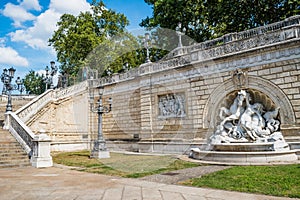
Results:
<point x="244" y="147"/>
<point x="245" y="158"/>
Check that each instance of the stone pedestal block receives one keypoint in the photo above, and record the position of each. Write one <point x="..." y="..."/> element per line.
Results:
<point x="41" y="151"/>
<point x="100" y="154"/>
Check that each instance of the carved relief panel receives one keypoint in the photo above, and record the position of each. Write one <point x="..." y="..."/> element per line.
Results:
<point x="171" y="105"/>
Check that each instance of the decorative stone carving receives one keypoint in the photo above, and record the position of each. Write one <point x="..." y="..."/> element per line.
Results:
<point x="171" y="105"/>
<point x="269" y="89"/>
<point x="239" y="78"/>
<point x="248" y="122"/>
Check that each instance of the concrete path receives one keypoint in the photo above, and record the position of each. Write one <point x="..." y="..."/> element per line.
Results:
<point x="56" y="183"/>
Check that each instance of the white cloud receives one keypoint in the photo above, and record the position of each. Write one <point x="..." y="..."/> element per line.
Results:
<point x="31" y="5"/>
<point x="73" y="7"/>
<point x="44" y="25"/>
<point x="9" y="56"/>
<point x="37" y="36"/>
<point x="17" y="14"/>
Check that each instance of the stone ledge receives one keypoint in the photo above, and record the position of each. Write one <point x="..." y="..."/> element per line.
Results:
<point x="247" y="158"/>
<point x="186" y="158"/>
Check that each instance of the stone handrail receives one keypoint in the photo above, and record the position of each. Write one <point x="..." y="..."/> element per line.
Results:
<point x="26" y="112"/>
<point x="20" y="131"/>
<point x="226" y="45"/>
<point x="4" y="97"/>
<point x="36" y="146"/>
<point x="71" y="90"/>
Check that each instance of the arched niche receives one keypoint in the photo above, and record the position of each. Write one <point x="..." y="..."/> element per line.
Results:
<point x="262" y="90"/>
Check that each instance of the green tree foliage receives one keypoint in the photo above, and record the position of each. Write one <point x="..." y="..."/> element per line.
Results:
<point x="77" y="36"/>
<point x="208" y="19"/>
<point x="34" y="83"/>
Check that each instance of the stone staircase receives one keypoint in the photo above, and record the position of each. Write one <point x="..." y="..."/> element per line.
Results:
<point x="11" y="152"/>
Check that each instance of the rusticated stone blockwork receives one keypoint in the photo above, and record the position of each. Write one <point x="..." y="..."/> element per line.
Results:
<point x="178" y="99"/>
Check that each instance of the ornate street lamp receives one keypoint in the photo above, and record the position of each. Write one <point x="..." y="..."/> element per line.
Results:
<point x="147" y="45"/>
<point x="62" y="80"/>
<point x="49" y="79"/>
<point x="126" y="67"/>
<point x="20" y="84"/>
<point x="8" y="87"/>
<point x="109" y="71"/>
<point x="99" y="149"/>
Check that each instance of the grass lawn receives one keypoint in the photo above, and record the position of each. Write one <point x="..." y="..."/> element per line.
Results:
<point x="281" y="180"/>
<point x="124" y="165"/>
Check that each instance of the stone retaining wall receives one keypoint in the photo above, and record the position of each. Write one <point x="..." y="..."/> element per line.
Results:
<point x="270" y="71"/>
<point x="174" y="104"/>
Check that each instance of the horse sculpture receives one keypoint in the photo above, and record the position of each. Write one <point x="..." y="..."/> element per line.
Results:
<point x="236" y="109"/>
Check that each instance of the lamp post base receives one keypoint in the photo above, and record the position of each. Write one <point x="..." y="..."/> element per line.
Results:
<point x="100" y="150"/>
<point x="100" y="154"/>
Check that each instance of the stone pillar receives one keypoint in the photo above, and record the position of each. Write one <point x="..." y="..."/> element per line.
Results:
<point x="41" y="151"/>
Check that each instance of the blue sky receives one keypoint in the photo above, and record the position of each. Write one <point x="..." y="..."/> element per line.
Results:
<point x="26" y="26"/>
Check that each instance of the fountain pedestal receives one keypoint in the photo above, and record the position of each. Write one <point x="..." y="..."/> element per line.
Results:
<point x="254" y="157"/>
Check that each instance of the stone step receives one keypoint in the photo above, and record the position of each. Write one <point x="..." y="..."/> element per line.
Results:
<point x="15" y="164"/>
<point x="13" y="147"/>
<point x="11" y="152"/>
<point x="11" y="157"/>
<point x="4" y="138"/>
<point x="9" y="144"/>
<point x="14" y="160"/>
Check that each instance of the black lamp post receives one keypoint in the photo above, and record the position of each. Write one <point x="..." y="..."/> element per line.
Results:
<point x="64" y="79"/>
<point x="147" y="41"/>
<point x="109" y="71"/>
<point x="99" y="149"/>
<point x="6" y="79"/>
<point x="49" y="75"/>
<point x="20" y="84"/>
<point x="126" y="67"/>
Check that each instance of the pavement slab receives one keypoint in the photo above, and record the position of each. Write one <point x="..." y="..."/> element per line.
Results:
<point x="65" y="184"/>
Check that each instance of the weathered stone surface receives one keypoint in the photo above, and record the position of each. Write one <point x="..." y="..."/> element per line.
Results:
<point x="269" y="61"/>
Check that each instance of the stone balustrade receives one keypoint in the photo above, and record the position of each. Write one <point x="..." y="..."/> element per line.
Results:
<point x="30" y="109"/>
<point x="229" y="44"/>
<point x="3" y="97"/>
<point x="36" y="146"/>
<point x="69" y="91"/>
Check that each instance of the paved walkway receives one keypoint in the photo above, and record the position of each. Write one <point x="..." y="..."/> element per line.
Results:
<point x="56" y="183"/>
<point x="177" y="176"/>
